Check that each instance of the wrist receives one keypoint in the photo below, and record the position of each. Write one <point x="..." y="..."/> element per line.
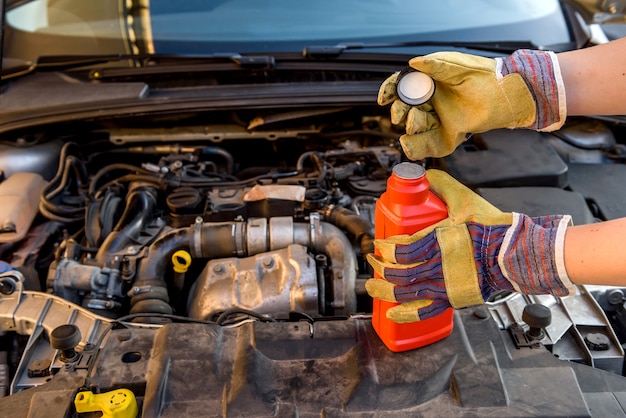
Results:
<point x="532" y="255"/>
<point x="541" y="73"/>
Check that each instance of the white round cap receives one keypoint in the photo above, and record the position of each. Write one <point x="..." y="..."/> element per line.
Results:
<point x="408" y="170"/>
<point x="415" y="88"/>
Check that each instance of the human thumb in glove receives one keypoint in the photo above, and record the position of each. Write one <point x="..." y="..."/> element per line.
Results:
<point x="462" y="260"/>
<point x="475" y="94"/>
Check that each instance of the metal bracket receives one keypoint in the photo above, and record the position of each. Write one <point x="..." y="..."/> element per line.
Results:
<point x="521" y="338"/>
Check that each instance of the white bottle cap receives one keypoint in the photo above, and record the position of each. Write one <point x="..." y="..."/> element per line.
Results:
<point x="415" y="88"/>
<point x="409" y="171"/>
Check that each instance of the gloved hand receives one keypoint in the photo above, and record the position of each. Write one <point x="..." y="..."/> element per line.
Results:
<point x="475" y="94"/>
<point x="465" y="258"/>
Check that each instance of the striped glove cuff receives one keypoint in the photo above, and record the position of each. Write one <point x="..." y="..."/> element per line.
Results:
<point x="531" y="255"/>
<point x="541" y="72"/>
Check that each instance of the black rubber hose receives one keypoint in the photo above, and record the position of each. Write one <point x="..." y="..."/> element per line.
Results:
<point x="230" y="161"/>
<point x="357" y="226"/>
<point x="149" y="292"/>
<point x="93" y="185"/>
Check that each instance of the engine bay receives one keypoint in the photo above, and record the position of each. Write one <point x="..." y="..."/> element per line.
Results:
<point x="221" y="266"/>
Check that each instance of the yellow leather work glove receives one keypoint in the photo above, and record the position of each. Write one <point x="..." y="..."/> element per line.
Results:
<point x="465" y="258"/>
<point x="474" y="94"/>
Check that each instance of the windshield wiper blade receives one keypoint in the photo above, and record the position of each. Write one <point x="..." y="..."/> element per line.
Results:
<point x="333" y="51"/>
<point x="66" y="62"/>
<point x="243" y="61"/>
<point x="159" y="64"/>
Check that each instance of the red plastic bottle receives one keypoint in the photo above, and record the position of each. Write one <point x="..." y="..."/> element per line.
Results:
<point x="406" y="207"/>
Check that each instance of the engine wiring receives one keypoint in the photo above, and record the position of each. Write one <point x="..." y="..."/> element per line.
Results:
<point x="222" y="318"/>
<point x="62" y="200"/>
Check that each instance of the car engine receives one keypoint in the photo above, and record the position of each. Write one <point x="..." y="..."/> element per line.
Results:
<point x="267" y="239"/>
<point x="219" y="269"/>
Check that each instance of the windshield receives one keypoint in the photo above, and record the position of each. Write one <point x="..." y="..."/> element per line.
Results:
<point x="46" y="27"/>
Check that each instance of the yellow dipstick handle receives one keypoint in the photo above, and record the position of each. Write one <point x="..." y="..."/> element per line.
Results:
<point x="120" y="403"/>
<point x="181" y="260"/>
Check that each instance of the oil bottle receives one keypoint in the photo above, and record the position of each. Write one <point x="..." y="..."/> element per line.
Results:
<point x="406" y="207"/>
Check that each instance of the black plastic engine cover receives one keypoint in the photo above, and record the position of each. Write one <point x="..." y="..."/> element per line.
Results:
<point x="505" y="158"/>
<point x="539" y="201"/>
<point x="341" y="368"/>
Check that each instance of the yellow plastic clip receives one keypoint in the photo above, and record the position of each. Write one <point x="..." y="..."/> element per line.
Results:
<point x="181" y="260"/>
<point x="120" y="403"/>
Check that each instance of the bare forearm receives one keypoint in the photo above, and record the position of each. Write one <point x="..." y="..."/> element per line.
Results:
<point x="595" y="79"/>
<point x="596" y="253"/>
